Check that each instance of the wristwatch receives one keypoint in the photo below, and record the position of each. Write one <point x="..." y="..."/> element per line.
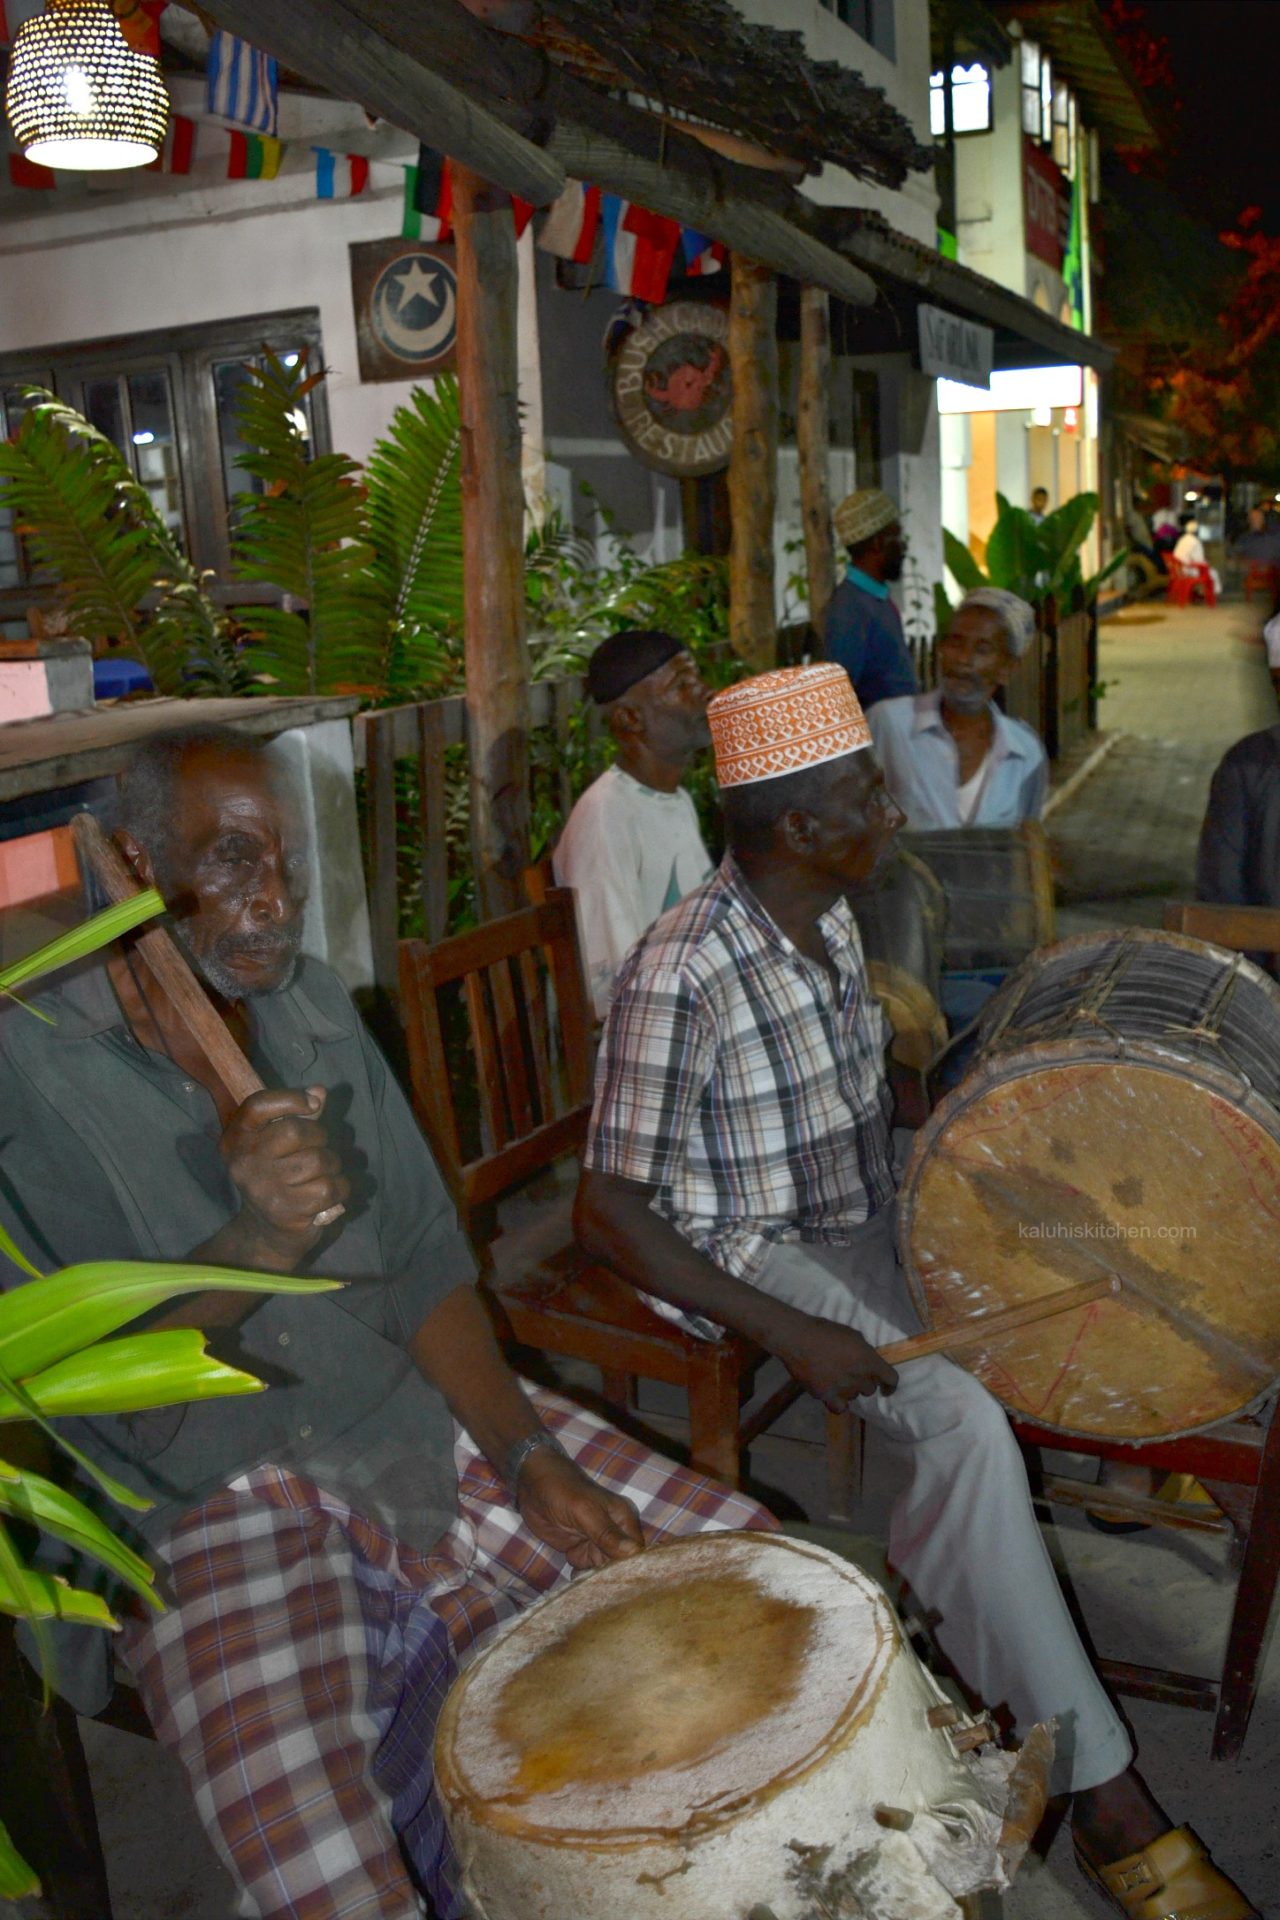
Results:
<point x="520" y="1451"/>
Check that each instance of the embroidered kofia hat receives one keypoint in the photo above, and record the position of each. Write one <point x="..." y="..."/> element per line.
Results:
<point x="782" y="722"/>
<point x="862" y="514"/>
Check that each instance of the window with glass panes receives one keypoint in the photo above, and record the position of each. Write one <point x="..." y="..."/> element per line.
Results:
<point x="168" y="401"/>
<point x="970" y="100"/>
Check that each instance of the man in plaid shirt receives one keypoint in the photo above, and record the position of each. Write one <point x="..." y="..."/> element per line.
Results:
<point x="333" y="1549"/>
<point x="739" y="1171"/>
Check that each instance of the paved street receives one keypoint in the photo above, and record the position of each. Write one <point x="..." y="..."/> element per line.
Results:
<point x="1181" y="685"/>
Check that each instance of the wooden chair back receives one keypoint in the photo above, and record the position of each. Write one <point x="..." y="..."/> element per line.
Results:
<point x="1250" y="929"/>
<point x="529" y="1038"/>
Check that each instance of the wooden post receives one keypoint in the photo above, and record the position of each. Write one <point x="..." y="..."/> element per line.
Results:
<point x="813" y="444"/>
<point x="497" y="658"/>
<point x="753" y="461"/>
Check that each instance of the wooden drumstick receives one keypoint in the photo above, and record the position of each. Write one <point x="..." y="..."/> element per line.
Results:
<point x="171" y="973"/>
<point x="970" y="1332"/>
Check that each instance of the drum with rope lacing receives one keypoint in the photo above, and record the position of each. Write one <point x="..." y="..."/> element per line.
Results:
<point x="1121" y="1117"/>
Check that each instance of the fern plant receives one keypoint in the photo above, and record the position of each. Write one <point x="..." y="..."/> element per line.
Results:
<point x="307" y="533"/>
<point x="121" y="574"/>
<point x="415" y="524"/>
<point x="57" y="1359"/>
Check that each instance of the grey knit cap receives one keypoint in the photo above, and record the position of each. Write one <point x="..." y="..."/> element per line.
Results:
<point x="1016" y="616"/>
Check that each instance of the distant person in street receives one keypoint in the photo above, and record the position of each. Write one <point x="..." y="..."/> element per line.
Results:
<point x="1039" y="503"/>
<point x="1259" y="548"/>
<point x="1138" y="534"/>
<point x="1164" y="531"/>
<point x="1238" y="861"/>
<point x="951" y="758"/>
<point x="1189" y="552"/>
<point x="863" y="632"/>
<point x="631" y="848"/>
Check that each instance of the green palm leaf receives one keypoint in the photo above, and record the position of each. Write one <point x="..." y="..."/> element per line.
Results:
<point x="126" y="1375"/>
<point x="964" y="568"/>
<point x="1016" y="557"/>
<point x="48" y="1320"/>
<point x="32" y="1595"/>
<point x="91" y="935"/>
<point x="41" y="1504"/>
<point x="17" y="1882"/>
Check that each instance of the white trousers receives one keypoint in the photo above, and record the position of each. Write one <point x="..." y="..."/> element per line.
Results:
<point x="963" y="1534"/>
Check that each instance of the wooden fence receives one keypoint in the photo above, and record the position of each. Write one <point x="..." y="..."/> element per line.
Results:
<point x="422" y="732"/>
<point x="1051" y="688"/>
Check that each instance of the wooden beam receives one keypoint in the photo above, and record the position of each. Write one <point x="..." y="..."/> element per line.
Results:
<point x="497" y="659"/>
<point x="694" y="198"/>
<point x="333" y="45"/>
<point x="813" y="444"/>
<point x="595" y="137"/>
<point x="753" y="461"/>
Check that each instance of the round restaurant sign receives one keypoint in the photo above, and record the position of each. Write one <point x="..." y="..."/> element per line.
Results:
<point x="671" y="390"/>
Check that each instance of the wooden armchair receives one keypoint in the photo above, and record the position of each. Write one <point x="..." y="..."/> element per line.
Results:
<point x="510" y="995"/>
<point x="1238" y="1463"/>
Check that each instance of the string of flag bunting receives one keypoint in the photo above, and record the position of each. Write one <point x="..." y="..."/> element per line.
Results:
<point x="639" y="248"/>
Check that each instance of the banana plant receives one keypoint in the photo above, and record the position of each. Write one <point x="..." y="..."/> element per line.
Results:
<point x="121" y="574"/>
<point x="58" y="1357"/>
<point x="1032" y="559"/>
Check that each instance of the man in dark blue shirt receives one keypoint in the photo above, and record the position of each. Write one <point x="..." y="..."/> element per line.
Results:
<point x="863" y="629"/>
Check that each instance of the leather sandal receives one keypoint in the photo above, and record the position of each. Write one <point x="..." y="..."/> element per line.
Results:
<point x="1172" y="1879"/>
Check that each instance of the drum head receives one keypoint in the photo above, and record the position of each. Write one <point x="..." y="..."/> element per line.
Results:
<point x="665" y="1693"/>
<point x="1047" y="1168"/>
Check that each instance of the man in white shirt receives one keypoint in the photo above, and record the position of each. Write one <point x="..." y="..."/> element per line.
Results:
<point x="631" y="848"/>
<point x="1189" y="552"/>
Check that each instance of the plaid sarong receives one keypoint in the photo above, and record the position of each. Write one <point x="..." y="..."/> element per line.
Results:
<point x="306" y="1654"/>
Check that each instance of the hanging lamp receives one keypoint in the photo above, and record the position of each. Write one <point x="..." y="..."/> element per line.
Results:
<point x="79" y="96"/>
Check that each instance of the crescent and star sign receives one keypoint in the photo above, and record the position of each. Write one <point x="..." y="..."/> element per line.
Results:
<point x="415" y="286"/>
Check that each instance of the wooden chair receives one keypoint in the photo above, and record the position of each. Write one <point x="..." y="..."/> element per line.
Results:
<point x="1238" y="1463"/>
<point x="531" y="1112"/>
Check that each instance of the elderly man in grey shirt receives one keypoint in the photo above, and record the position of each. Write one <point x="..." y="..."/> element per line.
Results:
<point x="333" y="1548"/>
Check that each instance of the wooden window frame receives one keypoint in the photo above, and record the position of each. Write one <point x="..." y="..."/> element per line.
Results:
<point x="188" y="355"/>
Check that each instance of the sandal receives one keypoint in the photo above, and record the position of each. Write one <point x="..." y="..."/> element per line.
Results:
<point x="1172" y="1879"/>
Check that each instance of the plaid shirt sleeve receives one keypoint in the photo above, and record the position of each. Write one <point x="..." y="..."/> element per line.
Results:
<point x="655" y="1061"/>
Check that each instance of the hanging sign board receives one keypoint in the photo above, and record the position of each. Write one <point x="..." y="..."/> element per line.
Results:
<point x="955" y="349"/>
<point x="671" y="391"/>
<point x="405" y="295"/>
<point x="1047" y="200"/>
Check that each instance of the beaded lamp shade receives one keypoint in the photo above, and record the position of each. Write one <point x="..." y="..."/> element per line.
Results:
<point x="79" y="96"/>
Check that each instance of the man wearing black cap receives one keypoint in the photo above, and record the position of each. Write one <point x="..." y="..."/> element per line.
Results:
<point x="631" y="847"/>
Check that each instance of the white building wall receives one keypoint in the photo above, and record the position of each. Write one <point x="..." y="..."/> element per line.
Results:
<point x="990" y="233"/>
<point x="213" y="253"/>
<point x="905" y="80"/>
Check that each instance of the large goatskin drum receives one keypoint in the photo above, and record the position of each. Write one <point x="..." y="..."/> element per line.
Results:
<point x="1121" y="1119"/>
<point x="670" y="1738"/>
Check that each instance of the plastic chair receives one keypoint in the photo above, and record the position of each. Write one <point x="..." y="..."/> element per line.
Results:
<point x="1184" y="581"/>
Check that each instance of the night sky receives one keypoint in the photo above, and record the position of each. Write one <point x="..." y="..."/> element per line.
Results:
<point x="1226" y="59"/>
